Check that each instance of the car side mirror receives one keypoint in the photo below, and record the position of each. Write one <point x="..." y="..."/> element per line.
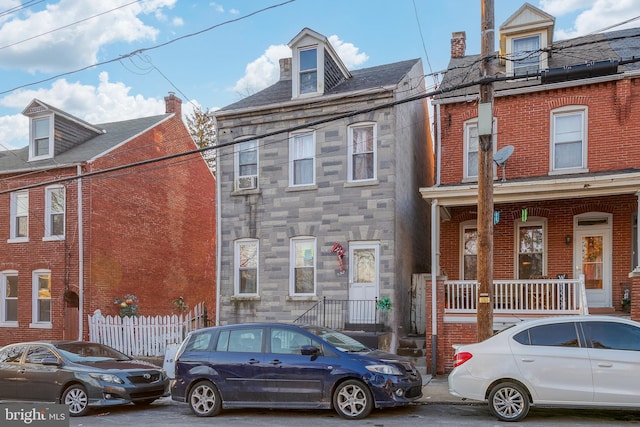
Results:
<point x="310" y="350"/>
<point x="50" y="361"/>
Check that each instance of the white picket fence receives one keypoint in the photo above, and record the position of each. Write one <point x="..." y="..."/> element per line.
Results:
<point x="144" y="335"/>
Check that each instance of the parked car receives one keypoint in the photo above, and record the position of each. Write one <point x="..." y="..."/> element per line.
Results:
<point x="568" y="361"/>
<point x="78" y="374"/>
<point x="272" y="365"/>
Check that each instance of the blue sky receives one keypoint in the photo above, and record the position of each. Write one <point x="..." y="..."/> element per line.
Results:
<point x="213" y="53"/>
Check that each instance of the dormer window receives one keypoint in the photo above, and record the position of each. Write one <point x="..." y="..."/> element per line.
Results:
<point x="308" y="71"/>
<point x="41" y="145"/>
<point x="526" y="55"/>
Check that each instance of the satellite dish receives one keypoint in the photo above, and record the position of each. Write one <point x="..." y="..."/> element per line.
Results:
<point x="503" y="155"/>
<point x="501" y="158"/>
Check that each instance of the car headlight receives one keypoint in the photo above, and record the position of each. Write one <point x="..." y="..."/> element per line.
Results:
<point x="384" y="369"/>
<point x="108" y="378"/>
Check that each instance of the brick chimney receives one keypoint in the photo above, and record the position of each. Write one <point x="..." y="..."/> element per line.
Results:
<point x="285" y="68"/>
<point x="458" y="44"/>
<point x="173" y="104"/>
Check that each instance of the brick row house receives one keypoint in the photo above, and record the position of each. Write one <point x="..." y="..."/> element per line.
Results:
<point x="79" y="228"/>
<point x="567" y="178"/>
<point x="318" y="179"/>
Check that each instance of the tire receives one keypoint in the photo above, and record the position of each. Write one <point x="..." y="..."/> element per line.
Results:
<point x="77" y="399"/>
<point x="509" y="402"/>
<point x="145" y="402"/>
<point x="204" y="399"/>
<point x="352" y="400"/>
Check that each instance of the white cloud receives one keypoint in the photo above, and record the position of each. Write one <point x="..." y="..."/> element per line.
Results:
<point x="562" y="7"/>
<point x="217" y="7"/>
<point x="26" y="46"/>
<point x="265" y="70"/>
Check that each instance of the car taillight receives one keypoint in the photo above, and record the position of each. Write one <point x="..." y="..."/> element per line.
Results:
<point x="461" y="357"/>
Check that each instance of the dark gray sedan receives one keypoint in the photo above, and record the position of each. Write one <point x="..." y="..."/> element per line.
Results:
<point x="78" y="374"/>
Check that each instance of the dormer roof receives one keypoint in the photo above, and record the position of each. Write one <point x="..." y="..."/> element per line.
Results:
<point x="38" y="108"/>
<point x="526" y="19"/>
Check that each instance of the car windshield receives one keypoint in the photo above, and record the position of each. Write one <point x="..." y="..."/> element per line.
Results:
<point x="339" y="340"/>
<point x="81" y="352"/>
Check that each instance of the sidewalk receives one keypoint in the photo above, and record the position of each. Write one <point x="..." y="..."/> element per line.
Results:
<point x="436" y="390"/>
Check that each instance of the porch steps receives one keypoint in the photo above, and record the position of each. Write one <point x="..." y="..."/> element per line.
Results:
<point x="415" y="348"/>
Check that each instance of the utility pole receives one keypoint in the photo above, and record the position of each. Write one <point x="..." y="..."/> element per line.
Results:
<point x="485" y="177"/>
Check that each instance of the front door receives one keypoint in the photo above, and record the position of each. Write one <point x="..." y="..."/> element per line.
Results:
<point x="363" y="281"/>
<point x="592" y="256"/>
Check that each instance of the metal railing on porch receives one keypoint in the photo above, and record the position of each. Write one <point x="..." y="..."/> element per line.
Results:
<point x="534" y="296"/>
<point x="341" y="314"/>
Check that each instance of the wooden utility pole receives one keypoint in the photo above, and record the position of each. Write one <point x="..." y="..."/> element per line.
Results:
<point x="485" y="177"/>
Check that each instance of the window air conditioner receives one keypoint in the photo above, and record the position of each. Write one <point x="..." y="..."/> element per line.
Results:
<point x="247" y="183"/>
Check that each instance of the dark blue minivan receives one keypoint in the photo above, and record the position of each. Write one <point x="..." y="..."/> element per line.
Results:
<point x="273" y="365"/>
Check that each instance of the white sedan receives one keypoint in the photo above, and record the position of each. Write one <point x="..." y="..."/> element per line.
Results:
<point x="569" y="361"/>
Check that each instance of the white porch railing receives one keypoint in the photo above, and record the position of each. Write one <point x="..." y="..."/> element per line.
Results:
<point x="535" y="296"/>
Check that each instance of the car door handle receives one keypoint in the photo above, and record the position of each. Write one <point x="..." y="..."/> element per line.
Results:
<point x="275" y="362"/>
<point x="22" y="371"/>
<point x="253" y="361"/>
<point x="528" y="360"/>
<point x="605" y="365"/>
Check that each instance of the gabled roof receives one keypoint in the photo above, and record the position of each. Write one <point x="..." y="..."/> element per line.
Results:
<point x="37" y="107"/>
<point x="361" y="80"/>
<point x="115" y="134"/>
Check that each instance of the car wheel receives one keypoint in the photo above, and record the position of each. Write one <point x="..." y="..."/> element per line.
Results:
<point x="509" y="402"/>
<point x="76" y="398"/>
<point x="352" y="400"/>
<point x="204" y="399"/>
<point x="145" y="402"/>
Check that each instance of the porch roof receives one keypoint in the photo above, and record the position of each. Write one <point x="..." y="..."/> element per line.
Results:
<point x="543" y="188"/>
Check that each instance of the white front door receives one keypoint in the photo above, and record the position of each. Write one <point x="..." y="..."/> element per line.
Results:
<point x="592" y="256"/>
<point x="363" y="281"/>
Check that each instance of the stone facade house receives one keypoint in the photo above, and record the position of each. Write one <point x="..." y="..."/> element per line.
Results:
<point x="318" y="179"/>
<point x="87" y="216"/>
<point x="567" y="179"/>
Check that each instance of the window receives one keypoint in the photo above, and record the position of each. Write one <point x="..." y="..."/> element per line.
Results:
<point x="362" y="152"/>
<point x="531" y="245"/>
<point x="554" y="335"/>
<point x="286" y="341"/>
<point x="470" y="251"/>
<point x="526" y="55"/>
<point x="568" y="142"/>
<point x="612" y="336"/>
<point x="241" y="340"/>
<point x="246" y="257"/>
<point x="12" y="354"/>
<point x="303" y="266"/>
<point x="41" y="298"/>
<point x="308" y="70"/>
<point x="36" y="354"/>
<point x="9" y="297"/>
<point x="302" y="153"/>
<point x="55" y="212"/>
<point x="19" y="216"/>
<point x="471" y="147"/>
<point x="41" y="141"/>
<point x="246" y="165"/>
<point x="198" y="342"/>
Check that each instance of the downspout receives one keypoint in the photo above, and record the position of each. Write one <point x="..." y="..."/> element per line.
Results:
<point x="435" y="233"/>
<point x="438" y="145"/>
<point x="80" y="259"/>
<point x="218" y="245"/>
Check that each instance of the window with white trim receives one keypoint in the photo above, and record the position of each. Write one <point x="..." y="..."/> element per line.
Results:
<point x="472" y="145"/>
<point x="303" y="266"/>
<point x="308" y="75"/>
<point x="526" y="55"/>
<point x="531" y="248"/>
<point x="362" y="151"/>
<point x="19" y="216"/>
<point x="55" y="205"/>
<point x="302" y="153"/>
<point x="469" y="250"/>
<point x="246" y="165"/>
<point x="246" y="267"/>
<point x="568" y="138"/>
<point x="41" y="314"/>
<point x="41" y="141"/>
<point x="9" y="297"/>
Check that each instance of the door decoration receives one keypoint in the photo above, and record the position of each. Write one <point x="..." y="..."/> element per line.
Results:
<point x="338" y="249"/>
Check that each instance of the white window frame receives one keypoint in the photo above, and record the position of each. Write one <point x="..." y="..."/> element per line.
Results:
<point x="300" y="72"/>
<point x="468" y="126"/>
<point x="567" y="111"/>
<point x="543" y="57"/>
<point x="49" y="213"/>
<point x="295" y="242"/>
<point x="238" y="267"/>
<point x="18" y="206"/>
<point x="464" y="226"/>
<point x="33" y="155"/>
<point x="4" y="297"/>
<point x="293" y="138"/>
<point x="37" y="299"/>
<point x="252" y="145"/>
<point x="530" y="222"/>
<point x="352" y="152"/>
